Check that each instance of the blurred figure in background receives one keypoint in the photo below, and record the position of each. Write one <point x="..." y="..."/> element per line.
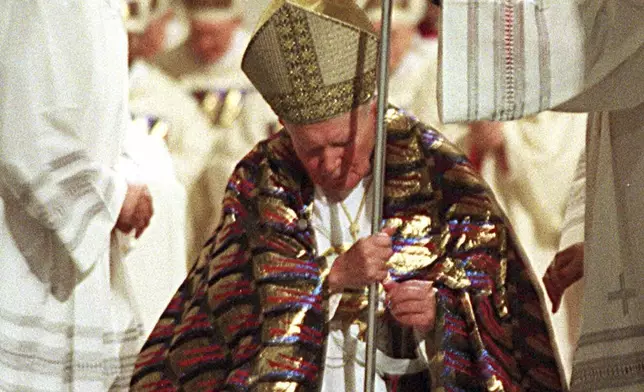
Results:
<point x="162" y="113"/>
<point x="412" y="59"/>
<point x="412" y="63"/>
<point x="67" y="322"/>
<point x="154" y="92"/>
<point x="208" y="66"/>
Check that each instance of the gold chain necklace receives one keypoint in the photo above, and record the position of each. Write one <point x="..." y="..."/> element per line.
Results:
<point x="354" y="227"/>
<point x="354" y="223"/>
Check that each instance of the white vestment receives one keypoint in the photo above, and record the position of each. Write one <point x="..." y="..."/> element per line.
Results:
<point x="66" y="322"/>
<point x="229" y="142"/>
<point x="581" y="55"/>
<point x="345" y="353"/>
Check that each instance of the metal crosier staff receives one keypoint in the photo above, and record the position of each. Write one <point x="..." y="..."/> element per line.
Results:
<point x="378" y="189"/>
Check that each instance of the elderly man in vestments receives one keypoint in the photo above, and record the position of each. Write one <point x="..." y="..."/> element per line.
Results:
<point x="572" y="56"/>
<point x="66" y="319"/>
<point x="276" y="302"/>
<point x="208" y="67"/>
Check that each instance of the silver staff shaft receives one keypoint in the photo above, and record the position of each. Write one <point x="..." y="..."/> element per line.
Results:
<point x="378" y="189"/>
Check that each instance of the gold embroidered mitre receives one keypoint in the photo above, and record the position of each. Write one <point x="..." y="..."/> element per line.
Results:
<point x="140" y="13"/>
<point x="312" y="60"/>
<point x="403" y="12"/>
<point x="214" y="10"/>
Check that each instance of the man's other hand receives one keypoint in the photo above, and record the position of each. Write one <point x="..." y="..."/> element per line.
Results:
<point x="566" y="269"/>
<point x="136" y="211"/>
<point x="412" y="303"/>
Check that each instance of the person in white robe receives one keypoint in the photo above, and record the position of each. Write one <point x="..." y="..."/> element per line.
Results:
<point x="571" y="56"/>
<point x="565" y="273"/>
<point x="208" y="67"/>
<point x="66" y="318"/>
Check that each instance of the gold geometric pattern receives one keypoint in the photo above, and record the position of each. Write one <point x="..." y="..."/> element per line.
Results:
<point x="312" y="62"/>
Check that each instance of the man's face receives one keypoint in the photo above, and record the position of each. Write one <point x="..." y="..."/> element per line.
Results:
<point x="336" y="153"/>
<point x="211" y="41"/>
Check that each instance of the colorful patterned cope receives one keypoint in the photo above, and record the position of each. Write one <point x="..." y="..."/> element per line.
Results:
<point x="251" y="314"/>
